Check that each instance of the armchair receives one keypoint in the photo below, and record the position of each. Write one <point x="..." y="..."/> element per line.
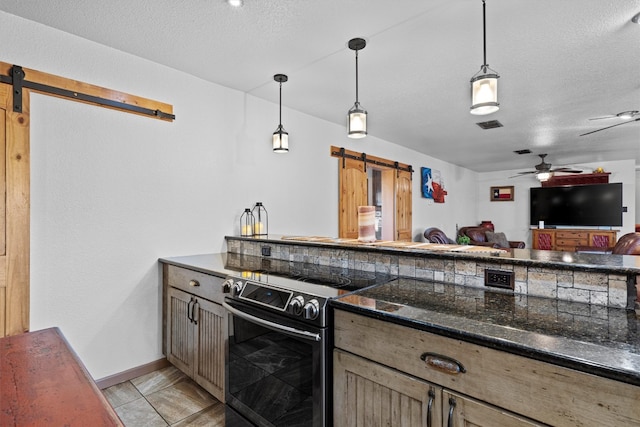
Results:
<point x="435" y="235"/>
<point x="478" y="237"/>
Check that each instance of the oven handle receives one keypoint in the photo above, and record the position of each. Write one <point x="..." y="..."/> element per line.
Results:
<point x="271" y="325"/>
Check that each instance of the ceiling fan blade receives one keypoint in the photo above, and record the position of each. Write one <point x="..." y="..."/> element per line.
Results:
<point x="612" y="126"/>
<point x="566" y="170"/>
<point x="523" y="174"/>
<point x="604" y="117"/>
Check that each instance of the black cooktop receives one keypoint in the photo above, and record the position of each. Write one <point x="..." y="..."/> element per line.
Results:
<point x="334" y="277"/>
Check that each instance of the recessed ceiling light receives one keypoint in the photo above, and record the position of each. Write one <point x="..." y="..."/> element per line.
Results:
<point x="235" y="3"/>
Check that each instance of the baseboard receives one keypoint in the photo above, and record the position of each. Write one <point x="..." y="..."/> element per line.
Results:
<point x="132" y="373"/>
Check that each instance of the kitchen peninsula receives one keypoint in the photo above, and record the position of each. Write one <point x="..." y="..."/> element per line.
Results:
<point x="606" y="280"/>
<point x="562" y="348"/>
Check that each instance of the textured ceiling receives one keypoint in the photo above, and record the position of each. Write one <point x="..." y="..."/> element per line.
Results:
<point x="561" y="63"/>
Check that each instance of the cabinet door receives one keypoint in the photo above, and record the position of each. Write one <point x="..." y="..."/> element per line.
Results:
<point x="211" y="328"/>
<point x="368" y="394"/>
<point x="179" y="330"/>
<point x="463" y="411"/>
<point x="543" y="240"/>
<point x="602" y="239"/>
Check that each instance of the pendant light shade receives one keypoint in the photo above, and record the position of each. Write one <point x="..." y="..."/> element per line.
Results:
<point x="484" y="84"/>
<point x="280" y="137"/>
<point x="357" y="116"/>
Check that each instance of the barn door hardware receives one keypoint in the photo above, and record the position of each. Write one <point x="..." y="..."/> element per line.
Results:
<point x="16" y="78"/>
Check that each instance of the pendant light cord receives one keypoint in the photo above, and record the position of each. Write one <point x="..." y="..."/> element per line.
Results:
<point x="484" y="36"/>
<point x="280" y="122"/>
<point x="356" y="76"/>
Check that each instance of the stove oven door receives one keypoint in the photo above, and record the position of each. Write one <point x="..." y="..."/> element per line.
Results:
<point x="276" y="368"/>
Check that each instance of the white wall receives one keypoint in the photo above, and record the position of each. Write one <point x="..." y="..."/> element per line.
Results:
<point x="513" y="217"/>
<point x="112" y="192"/>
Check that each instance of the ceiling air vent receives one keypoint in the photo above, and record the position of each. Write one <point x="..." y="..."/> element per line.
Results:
<point x="491" y="124"/>
<point x="524" y="151"/>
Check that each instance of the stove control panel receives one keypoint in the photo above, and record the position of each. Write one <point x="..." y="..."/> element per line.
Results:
<point x="291" y="302"/>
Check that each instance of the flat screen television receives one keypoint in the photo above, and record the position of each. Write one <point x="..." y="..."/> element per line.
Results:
<point x="577" y="205"/>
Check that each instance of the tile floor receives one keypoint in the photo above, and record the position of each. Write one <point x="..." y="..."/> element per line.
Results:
<point x="165" y="397"/>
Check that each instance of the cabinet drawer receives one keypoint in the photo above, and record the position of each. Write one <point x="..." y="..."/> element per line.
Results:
<point x="535" y="389"/>
<point x="203" y="285"/>
<point x="572" y="242"/>
<point x="572" y="234"/>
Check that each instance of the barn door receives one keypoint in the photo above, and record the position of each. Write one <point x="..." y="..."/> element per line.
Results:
<point x="14" y="215"/>
<point x="353" y="193"/>
<point x="403" y="206"/>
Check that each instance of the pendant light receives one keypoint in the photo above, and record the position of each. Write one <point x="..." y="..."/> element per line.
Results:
<point x="280" y="136"/>
<point x="357" y="118"/>
<point x="484" y="84"/>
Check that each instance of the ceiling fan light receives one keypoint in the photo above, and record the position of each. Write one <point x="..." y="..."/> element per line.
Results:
<point x="544" y="176"/>
<point x="280" y="140"/>
<point x="357" y="122"/>
<point x="625" y="115"/>
<point x="484" y="92"/>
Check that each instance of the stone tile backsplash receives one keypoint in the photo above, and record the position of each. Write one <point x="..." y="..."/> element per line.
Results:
<point x="603" y="289"/>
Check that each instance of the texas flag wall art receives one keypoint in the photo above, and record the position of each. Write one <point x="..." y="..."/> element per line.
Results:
<point x="432" y="185"/>
<point x="502" y="194"/>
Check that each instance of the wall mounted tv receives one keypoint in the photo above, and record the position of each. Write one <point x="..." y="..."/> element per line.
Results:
<point x="577" y="205"/>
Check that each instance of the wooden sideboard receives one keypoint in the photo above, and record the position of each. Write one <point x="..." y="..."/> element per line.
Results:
<point x="563" y="239"/>
<point x="43" y="383"/>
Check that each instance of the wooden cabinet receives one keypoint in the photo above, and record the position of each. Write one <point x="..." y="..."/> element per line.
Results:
<point x="462" y="410"/>
<point x="562" y="239"/>
<point x="195" y="328"/>
<point x="477" y="385"/>
<point x="370" y="394"/>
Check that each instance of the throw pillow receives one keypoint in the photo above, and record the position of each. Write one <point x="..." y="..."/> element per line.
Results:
<point x="498" y="238"/>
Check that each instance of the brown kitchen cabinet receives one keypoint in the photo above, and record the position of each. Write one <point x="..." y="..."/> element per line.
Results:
<point x="382" y="367"/>
<point x="195" y="326"/>
<point x="562" y="239"/>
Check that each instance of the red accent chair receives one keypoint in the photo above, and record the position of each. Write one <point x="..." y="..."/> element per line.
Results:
<point x="435" y="235"/>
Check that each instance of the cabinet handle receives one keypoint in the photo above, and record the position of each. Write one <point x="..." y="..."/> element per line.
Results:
<point x="432" y="396"/>
<point x="194" y="283"/>
<point x="452" y="406"/>
<point x="189" y="310"/>
<point x="444" y="364"/>
<point x="195" y="311"/>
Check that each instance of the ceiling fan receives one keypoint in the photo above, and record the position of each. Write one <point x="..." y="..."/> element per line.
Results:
<point x="629" y="116"/>
<point x="543" y="170"/>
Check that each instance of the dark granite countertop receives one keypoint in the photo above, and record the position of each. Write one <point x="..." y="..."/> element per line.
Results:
<point x="593" y="339"/>
<point x="623" y="264"/>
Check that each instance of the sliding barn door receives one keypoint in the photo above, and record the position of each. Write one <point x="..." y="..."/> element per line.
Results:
<point x="353" y="193"/>
<point x="14" y="214"/>
<point x="403" y="206"/>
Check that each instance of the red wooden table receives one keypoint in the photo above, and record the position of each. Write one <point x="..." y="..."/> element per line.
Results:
<point x="43" y="383"/>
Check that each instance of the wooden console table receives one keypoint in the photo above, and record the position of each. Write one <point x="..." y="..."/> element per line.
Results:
<point x="43" y="383"/>
<point x="564" y="239"/>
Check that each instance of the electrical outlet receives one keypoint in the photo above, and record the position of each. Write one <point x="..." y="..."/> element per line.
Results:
<point x="266" y="251"/>
<point x="499" y="279"/>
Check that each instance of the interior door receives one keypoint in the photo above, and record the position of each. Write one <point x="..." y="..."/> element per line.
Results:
<point x="14" y="214"/>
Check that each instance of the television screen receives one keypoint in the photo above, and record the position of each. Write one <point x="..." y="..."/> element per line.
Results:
<point x="578" y="205"/>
